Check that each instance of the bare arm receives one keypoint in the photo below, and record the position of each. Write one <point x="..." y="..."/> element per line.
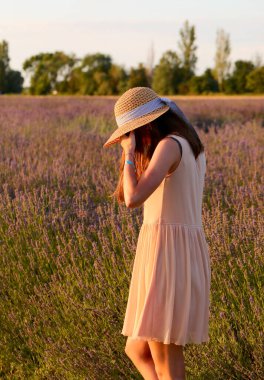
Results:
<point x="165" y="155"/>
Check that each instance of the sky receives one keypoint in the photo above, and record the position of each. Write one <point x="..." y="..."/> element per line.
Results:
<point x="126" y="30"/>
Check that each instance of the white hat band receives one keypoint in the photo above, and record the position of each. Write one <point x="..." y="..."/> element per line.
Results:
<point x="142" y="110"/>
<point x="147" y="108"/>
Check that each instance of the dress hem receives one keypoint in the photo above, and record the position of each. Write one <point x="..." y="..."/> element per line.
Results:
<point x="190" y="341"/>
<point x="164" y="223"/>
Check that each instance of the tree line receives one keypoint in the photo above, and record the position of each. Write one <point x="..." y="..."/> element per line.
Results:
<point x="97" y="74"/>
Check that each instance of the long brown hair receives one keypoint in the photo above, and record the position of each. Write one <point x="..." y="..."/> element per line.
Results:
<point x="167" y="123"/>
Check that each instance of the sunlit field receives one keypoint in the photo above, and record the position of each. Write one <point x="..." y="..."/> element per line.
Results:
<point x="67" y="248"/>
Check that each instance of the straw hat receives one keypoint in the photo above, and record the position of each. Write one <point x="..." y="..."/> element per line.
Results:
<point x="135" y="108"/>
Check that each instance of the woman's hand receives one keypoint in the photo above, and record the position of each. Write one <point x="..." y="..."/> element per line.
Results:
<point x="128" y="143"/>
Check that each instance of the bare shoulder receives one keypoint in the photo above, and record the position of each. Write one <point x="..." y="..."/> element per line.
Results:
<point x="169" y="146"/>
<point x="167" y="154"/>
<point x="167" y="141"/>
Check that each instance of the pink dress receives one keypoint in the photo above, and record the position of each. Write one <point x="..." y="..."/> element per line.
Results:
<point x="169" y="293"/>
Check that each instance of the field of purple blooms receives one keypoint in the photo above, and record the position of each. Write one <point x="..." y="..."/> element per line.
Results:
<point x="67" y="249"/>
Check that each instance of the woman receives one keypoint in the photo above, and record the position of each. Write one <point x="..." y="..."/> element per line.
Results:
<point x="163" y="167"/>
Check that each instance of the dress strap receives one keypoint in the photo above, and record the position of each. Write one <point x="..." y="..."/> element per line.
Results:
<point x="180" y="145"/>
<point x="174" y="138"/>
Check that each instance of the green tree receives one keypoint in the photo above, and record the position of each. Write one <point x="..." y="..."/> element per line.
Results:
<point x="74" y="80"/>
<point x="222" y="63"/>
<point x="63" y="66"/>
<point x="168" y="74"/>
<point x="95" y="74"/>
<point x="99" y="76"/>
<point x="188" y="50"/>
<point x="255" y="80"/>
<point x="237" y="81"/>
<point x="49" y="71"/>
<point x="203" y="84"/>
<point x="14" y="82"/>
<point x="4" y="65"/>
<point x="118" y="79"/>
<point x="138" y="77"/>
<point x="11" y="81"/>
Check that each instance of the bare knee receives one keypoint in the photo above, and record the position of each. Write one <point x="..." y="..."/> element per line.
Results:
<point x="135" y="354"/>
<point x="137" y="351"/>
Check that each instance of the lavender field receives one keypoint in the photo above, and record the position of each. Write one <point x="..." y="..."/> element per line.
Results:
<point x="67" y="248"/>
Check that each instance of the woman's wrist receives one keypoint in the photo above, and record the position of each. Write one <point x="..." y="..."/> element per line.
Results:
<point x="131" y="153"/>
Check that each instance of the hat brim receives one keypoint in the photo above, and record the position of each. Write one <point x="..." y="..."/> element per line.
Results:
<point x="133" y="124"/>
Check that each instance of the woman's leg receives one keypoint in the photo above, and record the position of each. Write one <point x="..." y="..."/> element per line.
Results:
<point x="139" y="352"/>
<point x="168" y="360"/>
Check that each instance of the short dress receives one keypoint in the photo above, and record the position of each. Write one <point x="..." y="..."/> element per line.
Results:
<point x="169" y="293"/>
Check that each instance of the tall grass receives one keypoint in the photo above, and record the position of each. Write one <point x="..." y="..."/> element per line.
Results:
<point x="66" y="249"/>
